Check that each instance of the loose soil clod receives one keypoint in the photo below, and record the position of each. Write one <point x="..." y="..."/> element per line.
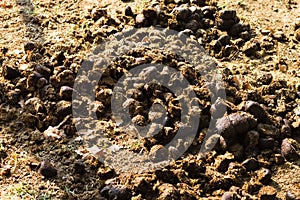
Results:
<point x="44" y="44"/>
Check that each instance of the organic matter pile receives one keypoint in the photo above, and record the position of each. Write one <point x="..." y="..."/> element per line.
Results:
<point x="42" y="155"/>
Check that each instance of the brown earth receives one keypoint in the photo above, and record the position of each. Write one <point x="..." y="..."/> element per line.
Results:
<point x="71" y="28"/>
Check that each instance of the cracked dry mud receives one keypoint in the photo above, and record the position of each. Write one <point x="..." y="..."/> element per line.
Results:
<point x="256" y="46"/>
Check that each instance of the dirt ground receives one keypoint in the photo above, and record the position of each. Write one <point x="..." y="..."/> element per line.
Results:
<point x="275" y="16"/>
<point x="261" y="63"/>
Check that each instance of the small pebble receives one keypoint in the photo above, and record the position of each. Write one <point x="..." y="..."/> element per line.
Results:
<point x="235" y="124"/>
<point x="192" y="25"/>
<point x="208" y="11"/>
<point x="283" y="68"/>
<point x="41" y="82"/>
<point x="63" y="109"/>
<point x="245" y="35"/>
<point x="236" y="29"/>
<point x="225" y="24"/>
<point x="150" y="13"/>
<point x="186" y="32"/>
<point x="43" y="70"/>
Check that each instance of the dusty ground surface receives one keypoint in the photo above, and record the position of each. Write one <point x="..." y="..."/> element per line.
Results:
<point x="260" y="63"/>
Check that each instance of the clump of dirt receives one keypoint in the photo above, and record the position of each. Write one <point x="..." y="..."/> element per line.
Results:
<point x="42" y="156"/>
